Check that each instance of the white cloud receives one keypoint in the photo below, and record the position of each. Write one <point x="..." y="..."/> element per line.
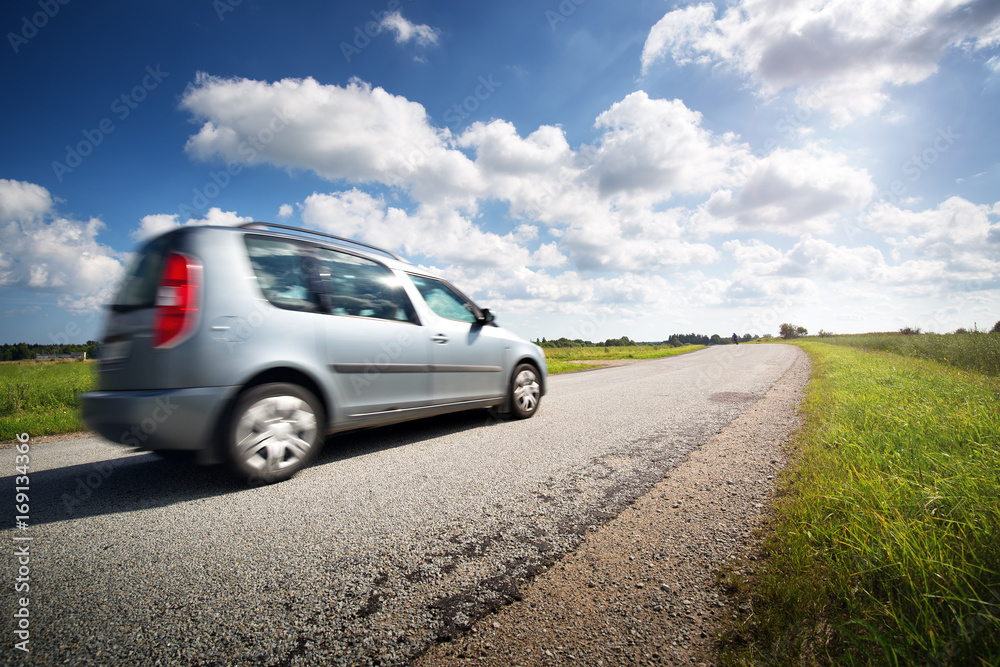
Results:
<point x="406" y="31"/>
<point x="792" y="191"/>
<point x="598" y="200"/>
<point x="840" y="55"/>
<point x="41" y="250"/>
<point x="676" y="33"/>
<point x="285" y="211"/>
<point x="159" y="223"/>
<point x="22" y="201"/>
<point x="964" y="235"/>
<point x="430" y="232"/>
<point x="355" y="133"/>
<point x="659" y="147"/>
<point x="586" y="228"/>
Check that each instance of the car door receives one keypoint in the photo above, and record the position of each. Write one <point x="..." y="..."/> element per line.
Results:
<point x="467" y="356"/>
<point x="374" y="346"/>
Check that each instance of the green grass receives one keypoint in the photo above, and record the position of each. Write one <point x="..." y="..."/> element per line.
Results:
<point x="978" y="352"/>
<point x="559" y="358"/>
<point x="40" y="398"/>
<point x="886" y="544"/>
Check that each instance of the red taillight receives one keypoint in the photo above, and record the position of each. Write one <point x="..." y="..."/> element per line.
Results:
<point x="176" y="300"/>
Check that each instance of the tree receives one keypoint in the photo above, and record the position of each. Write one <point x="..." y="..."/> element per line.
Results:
<point x="996" y="327"/>
<point x="791" y="331"/>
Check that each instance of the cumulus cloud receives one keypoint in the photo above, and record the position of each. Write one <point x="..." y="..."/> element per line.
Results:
<point x="623" y="223"/>
<point x="43" y="251"/>
<point x="840" y="56"/>
<point x="794" y="190"/>
<point x="429" y="232"/>
<point x="159" y="223"/>
<point x="659" y="147"/>
<point x="599" y="200"/>
<point x="963" y="235"/>
<point x="356" y="133"/>
<point x="21" y="201"/>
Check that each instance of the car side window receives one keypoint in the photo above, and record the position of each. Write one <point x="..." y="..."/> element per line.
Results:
<point x="444" y="300"/>
<point x="281" y="272"/>
<point x="363" y="288"/>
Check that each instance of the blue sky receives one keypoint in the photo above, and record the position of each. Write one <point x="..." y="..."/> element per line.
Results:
<point x="583" y="168"/>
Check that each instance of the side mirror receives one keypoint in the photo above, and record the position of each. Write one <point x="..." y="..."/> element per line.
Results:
<point x="485" y="317"/>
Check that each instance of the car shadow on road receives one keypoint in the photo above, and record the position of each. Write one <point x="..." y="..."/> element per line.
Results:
<point x="135" y="482"/>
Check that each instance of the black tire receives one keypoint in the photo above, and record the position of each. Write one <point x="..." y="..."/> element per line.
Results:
<point x="524" y="393"/>
<point x="276" y="430"/>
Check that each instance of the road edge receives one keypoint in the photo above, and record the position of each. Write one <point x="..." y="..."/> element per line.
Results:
<point x="643" y="589"/>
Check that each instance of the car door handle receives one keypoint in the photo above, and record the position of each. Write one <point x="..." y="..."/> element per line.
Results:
<point x="441" y="339"/>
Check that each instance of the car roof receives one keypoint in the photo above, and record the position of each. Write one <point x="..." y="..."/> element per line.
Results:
<point x="353" y="246"/>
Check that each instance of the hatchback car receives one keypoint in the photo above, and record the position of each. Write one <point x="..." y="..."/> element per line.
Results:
<point x="251" y="344"/>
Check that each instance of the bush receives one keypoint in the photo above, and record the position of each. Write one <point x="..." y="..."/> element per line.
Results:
<point x="788" y="331"/>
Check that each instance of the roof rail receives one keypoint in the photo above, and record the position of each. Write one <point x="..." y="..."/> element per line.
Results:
<point x="300" y="230"/>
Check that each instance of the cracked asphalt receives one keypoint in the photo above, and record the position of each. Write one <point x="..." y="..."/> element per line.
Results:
<point x="396" y="539"/>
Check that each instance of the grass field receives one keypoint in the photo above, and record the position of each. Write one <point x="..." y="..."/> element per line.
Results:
<point x="886" y="544"/>
<point x="559" y="358"/>
<point x="978" y="352"/>
<point x="40" y="398"/>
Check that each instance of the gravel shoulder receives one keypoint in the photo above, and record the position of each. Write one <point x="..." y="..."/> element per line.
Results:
<point x="643" y="588"/>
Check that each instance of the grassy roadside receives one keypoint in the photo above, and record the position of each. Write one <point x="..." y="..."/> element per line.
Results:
<point x="559" y="358"/>
<point x="979" y="352"/>
<point x="40" y="398"/>
<point x="886" y="543"/>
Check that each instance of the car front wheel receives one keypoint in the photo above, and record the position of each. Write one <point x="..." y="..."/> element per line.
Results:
<point x="276" y="430"/>
<point x="525" y="392"/>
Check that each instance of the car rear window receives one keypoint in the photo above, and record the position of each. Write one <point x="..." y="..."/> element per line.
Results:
<point x="143" y="276"/>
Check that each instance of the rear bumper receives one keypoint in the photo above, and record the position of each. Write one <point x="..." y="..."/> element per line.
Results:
<point x="175" y="419"/>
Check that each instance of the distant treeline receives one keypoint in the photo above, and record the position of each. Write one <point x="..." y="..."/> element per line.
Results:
<point x="676" y="340"/>
<point x="23" y="351"/>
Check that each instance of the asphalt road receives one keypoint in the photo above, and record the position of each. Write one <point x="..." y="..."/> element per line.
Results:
<point x="395" y="538"/>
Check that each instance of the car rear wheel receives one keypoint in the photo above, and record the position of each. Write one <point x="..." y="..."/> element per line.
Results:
<point x="276" y="430"/>
<point x="525" y="392"/>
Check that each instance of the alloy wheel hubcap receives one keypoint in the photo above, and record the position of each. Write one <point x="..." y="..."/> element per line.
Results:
<point x="275" y="432"/>
<point x="526" y="390"/>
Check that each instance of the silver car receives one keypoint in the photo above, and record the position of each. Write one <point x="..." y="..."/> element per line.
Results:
<point x="251" y="344"/>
